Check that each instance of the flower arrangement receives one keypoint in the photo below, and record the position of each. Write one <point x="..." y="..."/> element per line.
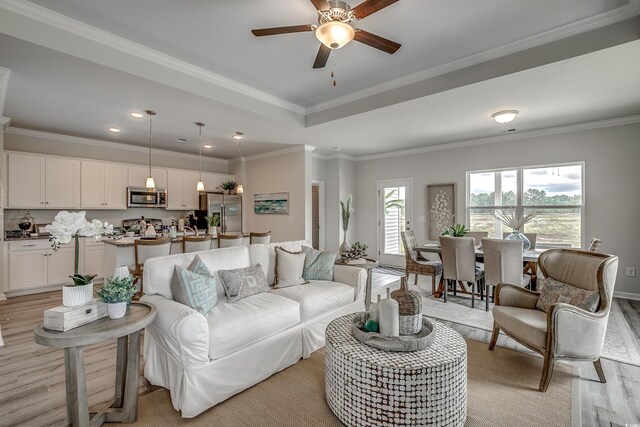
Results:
<point x="68" y="225"/>
<point x="228" y="185"/>
<point x="347" y="210"/>
<point x="514" y="219"/>
<point x="356" y="251"/>
<point x="117" y="289"/>
<point x="458" y="230"/>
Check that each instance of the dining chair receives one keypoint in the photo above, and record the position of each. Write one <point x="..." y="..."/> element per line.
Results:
<point x="531" y="236"/>
<point x="529" y="268"/>
<point x="564" y="331"/>
<point x="459" y="263"/>
<point x="595" y="244"/>
<point x="502" y="264"/>
<point x="416" y="266"/>
<point x="259" y="237"/>
<point x="143" y="250"/>
<point x="195" y="243"/>
<point x="229" y="240"/>
<point x="477" y="236"/>
<point x="412" y="239"/>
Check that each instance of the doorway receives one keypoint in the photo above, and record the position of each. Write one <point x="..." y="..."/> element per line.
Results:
<point x="317" y="215"/>
<point x="394" y="217"/>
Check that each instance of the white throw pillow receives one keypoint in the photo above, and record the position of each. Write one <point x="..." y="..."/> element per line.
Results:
<point x="289" y="268"/>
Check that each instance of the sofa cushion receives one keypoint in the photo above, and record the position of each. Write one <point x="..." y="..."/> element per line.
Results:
<point x="236" y="325"/>
<point x="318" y="297"/>
<point x="318" y="265"/>
<point x="289" y="268"/>
<point x="552" y="292"/>
<point x="195" y="286"/>
<point x="243" y="282"/>
<point x="265" y="255"/>
<point x="159" y="271"/>
<point x="526" y="324"/>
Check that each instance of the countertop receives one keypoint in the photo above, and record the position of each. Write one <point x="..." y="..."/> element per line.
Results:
<point x="129" y="241"/>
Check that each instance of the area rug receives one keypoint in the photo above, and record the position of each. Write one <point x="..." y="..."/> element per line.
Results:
<point x="501" y="391"/>
<point x="620" y="343"/>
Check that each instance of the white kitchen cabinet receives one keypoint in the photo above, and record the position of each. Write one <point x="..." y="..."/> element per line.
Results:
<point x="213" y="181"/>
<point x="181" y="190"/>
<point x="103" y="185"/>
<point x="32" y="264"/>
<point x="43" y="182"/>
<point x="94" y="257"/>
<point x="138" y="176"/>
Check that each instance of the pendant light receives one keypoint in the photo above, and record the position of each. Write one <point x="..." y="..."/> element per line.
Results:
<point x="200" y="186"/>
<point x="150" y="184"/>
<point x="238" y="137"/>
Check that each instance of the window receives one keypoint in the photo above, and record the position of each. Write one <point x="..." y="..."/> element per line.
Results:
<point x="553" y="192"/>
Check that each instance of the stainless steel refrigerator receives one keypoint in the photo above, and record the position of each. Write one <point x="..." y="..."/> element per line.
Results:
<point x="227" y="207"/>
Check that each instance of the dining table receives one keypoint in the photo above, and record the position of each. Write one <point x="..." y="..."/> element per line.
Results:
<point x="529" y="257"/>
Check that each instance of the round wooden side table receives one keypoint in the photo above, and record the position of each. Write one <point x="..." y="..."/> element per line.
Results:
<point x="365" y="386"/>
<point x="127" y="330"/>
<point x="369" y="265"/>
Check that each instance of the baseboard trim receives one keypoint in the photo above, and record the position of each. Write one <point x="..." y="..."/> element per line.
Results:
<point x="627" y="295"/>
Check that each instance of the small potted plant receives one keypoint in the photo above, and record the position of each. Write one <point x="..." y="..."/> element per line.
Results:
<point x="228" y="187"/>
<point x="458" y="230"/>
<point x="213" y="221"/>
<point x="356" y="254"/>
<point x="131" y="231"/>
<point x="117" y="293"/>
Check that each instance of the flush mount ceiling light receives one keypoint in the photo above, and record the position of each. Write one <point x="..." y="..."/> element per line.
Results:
<point x="207" y="146"/>
<point x="238" y="136"/>
<point x="150" y="182"/>
<point x="114" y="130"/>
<point x="136" y="115"/>
<point x="506" y="116"/>
<point x="200" y="185"/>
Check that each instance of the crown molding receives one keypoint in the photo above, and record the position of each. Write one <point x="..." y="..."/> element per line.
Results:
<point x="620" y="121"/>
<point x="574" y="28"/>
<point x="281" y="152"/>
<point x="335" y="156"/>
<point x="4" y="122"/>
<point x="108" y="144"/>
<point x="309" y="148"/>
<point x="77" y="28"/>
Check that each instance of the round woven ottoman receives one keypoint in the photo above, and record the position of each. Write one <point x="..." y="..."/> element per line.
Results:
<point x="369" y="387"/>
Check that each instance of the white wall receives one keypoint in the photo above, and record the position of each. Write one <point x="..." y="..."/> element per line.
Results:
<point x="274" y="174"/>
<point x="612" y="178"/>
<point x="3" y="286"/>
<point x="110" y="152"/>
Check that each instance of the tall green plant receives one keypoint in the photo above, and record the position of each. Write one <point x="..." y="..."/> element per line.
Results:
<point x="391" y="200"/>
<point x="347" y="210"/>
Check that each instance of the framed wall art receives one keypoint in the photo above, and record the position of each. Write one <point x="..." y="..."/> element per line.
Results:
<point x="271" y="203"/>
<point x="441" y="206"/>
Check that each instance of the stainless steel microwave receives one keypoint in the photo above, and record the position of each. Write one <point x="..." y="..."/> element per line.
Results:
<point x="140" y="197"/>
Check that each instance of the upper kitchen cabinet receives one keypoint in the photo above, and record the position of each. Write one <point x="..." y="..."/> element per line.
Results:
<point x="43" y="182"/>
<point x="213" y="181"/>
<point x="181" y="190"/>
<point x="103" y="185"/>
<point x="138" y="176"/>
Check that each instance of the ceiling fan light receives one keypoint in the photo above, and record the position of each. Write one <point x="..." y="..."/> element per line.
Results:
<point x="506" y="116"/>
<point x="335" y="34"/>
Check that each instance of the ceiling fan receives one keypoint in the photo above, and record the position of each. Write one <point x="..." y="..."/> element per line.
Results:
<point x="335" y="29"/>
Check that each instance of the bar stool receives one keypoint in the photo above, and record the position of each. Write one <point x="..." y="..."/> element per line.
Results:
<point x="229" y="240"/>
<point x="195" y="243"/>
<point x="143" y="250"/>
<point x="260" y="237"/>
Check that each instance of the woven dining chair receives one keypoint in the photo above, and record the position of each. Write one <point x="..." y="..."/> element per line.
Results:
<point x="416" y="266"/>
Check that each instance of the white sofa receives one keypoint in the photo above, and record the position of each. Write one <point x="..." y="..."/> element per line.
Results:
<point x="204" y="360"/>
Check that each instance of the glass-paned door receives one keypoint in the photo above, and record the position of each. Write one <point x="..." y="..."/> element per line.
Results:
<point x="394" y="207"/>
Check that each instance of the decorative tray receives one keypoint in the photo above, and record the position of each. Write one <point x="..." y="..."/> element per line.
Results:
<point x="419" y="341"/>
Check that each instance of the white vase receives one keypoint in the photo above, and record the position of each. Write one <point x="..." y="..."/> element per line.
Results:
<point x="75" y="296"/>
<point x="116" y="310"/>
<point x="345" y="244"/>
<point x="121" y="271"/>
<point x="374" y="311"/>
<point x="212" y="230"/>
<point x="389" y="316"/>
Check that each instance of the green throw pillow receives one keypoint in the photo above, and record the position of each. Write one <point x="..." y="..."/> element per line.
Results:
<point x="318" y="265"/>
<point x="195" y="286"/>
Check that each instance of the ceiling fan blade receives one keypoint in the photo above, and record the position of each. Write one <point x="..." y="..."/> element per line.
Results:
<point x="281" y="30"/>
<point x="376" y="41"/>
<point x="321" y="4"/>
<point x="322" y="57"/>
<point x="369" y="7"/>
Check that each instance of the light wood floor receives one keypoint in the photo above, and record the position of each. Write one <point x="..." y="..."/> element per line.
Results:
<point x="32" y="385"/>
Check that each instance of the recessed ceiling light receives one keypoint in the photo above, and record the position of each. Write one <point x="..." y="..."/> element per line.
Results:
<point x="136" y="115"/>
<point x="337" y="148"/>
<point x="238" y="135"/>
<point x="181" y="139"/>
<point x="114" y="130"/>
<point x="207" y="146"/>
<point x="505" y="116"/>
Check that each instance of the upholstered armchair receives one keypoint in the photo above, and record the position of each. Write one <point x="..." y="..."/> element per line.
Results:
<point x="565" y="331"/>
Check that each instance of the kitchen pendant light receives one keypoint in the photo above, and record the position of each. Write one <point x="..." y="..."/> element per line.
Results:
<point x="150" y="184"/>
<point x="200" y="185"/>
<point x="238" y="137"/>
